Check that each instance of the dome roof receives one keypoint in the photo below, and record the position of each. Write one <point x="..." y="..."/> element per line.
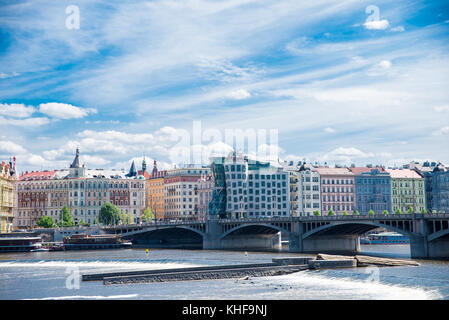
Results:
<point x="305" y="166"/>
<point x="439" y="168"/>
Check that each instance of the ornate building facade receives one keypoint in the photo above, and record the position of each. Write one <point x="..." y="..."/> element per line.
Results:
<point x="7" y="196"/>
<point x="83" y="191"/>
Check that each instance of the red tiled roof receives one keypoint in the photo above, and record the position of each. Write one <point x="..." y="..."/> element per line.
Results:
<point x="38" y="175"/>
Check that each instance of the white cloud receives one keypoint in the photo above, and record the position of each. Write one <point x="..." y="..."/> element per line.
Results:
<point x="345" y="155"/>
<point x="30" y="122"/>
<point x="9" y="147"/>
<point x="16" y="110"/>
<point x="441" y="108"/>
<point x="329" y="130"/>
<point x="398" y="29"/>
<point x="239" y="94"/>
<point x="4" y="75"/>
<point x="377" y="24"/>
<point x="385" y="64"/>
<point x="441" y="131"/>
<point x="64" y="111"/>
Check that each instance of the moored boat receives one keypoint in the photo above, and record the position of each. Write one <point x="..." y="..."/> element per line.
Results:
<point x="20" y="244"/>
<point x="94" y="242"/>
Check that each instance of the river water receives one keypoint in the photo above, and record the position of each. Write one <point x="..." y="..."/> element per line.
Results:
<point x="53" y="275"/>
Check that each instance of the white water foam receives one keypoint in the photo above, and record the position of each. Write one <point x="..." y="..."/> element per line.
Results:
<point x="346" y="288"/>
<point x="96" y="264"/>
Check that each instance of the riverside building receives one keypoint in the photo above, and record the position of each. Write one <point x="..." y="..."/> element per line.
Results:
<point x="250" y="188"/>
<point x="7" y="196"/>
<point x="372" y="189"/>
<point x="440" y="188"/>
<point x="407" y="190"/>
<point x="156" y="192"/>
<point x="82" y="190"/>
<point x="337" y="190"/>
<point x="181" y="196"/>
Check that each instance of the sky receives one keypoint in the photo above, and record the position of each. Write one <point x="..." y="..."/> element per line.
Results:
<point x="340" y="82"/>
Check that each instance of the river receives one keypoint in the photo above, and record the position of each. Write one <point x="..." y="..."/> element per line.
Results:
<point x="52" y="275"/>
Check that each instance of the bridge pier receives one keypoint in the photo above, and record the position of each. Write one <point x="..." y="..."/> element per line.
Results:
<point x="331" y="244"/>
<point x="211" y="240"/>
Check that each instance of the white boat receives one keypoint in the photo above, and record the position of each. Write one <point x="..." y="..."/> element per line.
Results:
<point x="40" y="250"/>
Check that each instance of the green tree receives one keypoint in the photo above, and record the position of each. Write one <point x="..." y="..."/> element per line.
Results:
<point x="371" y="212"/>
<point x="424" y="211"/>
<point x="385" y="212"/>
<point x="399" y="211"/>
<point x="434" y="212"/>
<point x="124" y="218"/>
<point x="46" y="222"/>
<point x="410" y="210"/>
<point x="345" y="213"/>
<point x="356" y="213"/>
<point x="317" y="213"/>
<point x="148" y="214"/>
<point x="65" y="218"/>
<point x="331" y="213"/>
<point x="109" y="214"/>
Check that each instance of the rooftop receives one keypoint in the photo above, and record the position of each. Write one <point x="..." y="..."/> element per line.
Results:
<point x="403" y="173"/>
<point x="334" y="171"/>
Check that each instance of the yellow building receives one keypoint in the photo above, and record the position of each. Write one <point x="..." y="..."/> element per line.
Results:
<point x="407" y="190"/>
<point x="7" y="180"/>
<point x="156" y="193"/>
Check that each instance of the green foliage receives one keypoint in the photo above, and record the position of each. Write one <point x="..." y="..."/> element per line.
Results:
<point x="434" y="212"/>
<point x="65" y="218"/>
<point x="109" y="214"/>
<point x="317" y="213"/>
<point x="371" y="212"/>
<point x="148" y="214"/>
<point x="124" y="218"/>
<point x="424" y="211"/>
<point x="331" y="213"/>
<point x="345" y="213"/>
<point x="46" y="222"/>
<point x="130" y="218"/>
<point x="356" y="213"/>
<point x="410" y="210"/>
<point x="399" y="211"/>
<point x="385" y="212"/>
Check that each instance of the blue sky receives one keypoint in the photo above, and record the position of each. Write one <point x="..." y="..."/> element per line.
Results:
<point x="338" y="87"/>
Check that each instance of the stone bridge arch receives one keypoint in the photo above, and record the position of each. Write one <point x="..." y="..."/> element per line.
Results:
<point x="354" y="228"/>
<point x="174" y="237"/>
<point x="267" y="227"/>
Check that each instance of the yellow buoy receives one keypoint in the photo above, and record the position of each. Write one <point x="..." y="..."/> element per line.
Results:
<point x="146" y="251"/>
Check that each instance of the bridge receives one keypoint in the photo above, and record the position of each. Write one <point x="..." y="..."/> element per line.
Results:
<point x="428" y="233"/>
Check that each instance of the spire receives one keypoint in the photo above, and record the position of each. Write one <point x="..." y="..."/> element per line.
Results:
<point x="76" y="161"/>
<point x="144" y="165"/>
<point x="132" y="170"/>
<point x="154" y="173"/>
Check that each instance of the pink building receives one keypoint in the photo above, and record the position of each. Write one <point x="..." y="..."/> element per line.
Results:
<point x="337" y="190"/>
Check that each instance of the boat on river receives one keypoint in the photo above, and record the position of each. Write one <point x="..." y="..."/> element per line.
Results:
<point x="384" y="238"/>
<point x="94" y="242"/>
<point x="20" y="244"/>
